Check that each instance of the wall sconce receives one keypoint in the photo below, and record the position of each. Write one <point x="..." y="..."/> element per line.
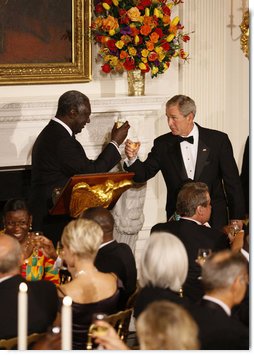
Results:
<point x="244" y="38"/>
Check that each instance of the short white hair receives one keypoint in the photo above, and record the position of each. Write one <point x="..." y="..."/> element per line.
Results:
<point x="83" y="237"/>
<point x="164" y="262"/>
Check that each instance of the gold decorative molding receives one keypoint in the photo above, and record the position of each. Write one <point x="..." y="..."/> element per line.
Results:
<point x="77" y="70"/>
<point x="244" y="39"/>
<point x="84" y="196"/>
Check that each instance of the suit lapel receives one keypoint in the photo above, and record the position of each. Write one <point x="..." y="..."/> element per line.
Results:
<point x="175" y="156"/>
<point x="202" y="156"/>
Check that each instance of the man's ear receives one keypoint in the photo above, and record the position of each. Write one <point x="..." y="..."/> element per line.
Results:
<point x="199" y="210"/>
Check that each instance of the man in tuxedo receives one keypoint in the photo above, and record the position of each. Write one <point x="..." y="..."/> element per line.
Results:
<point x="190" y="151"/>
<point x="42" y="295"/>
<point x="193" y="207"/>
<point x="113" y="256"/>
<point x="57" y="156"/>
<point x="225" y="279"/>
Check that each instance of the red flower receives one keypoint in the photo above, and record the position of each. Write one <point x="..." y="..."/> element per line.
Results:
<point x="109" y="2"/>
<point x="186" y="38"/>
<point x="159" y="31"/>
<point x="129" y="64"/>
<point x="166" y="10"/>
<point x="166" y="46"/>
<point x="99" y="9"/>
<point x="143" y="4"/>
<point x="106" y="68"/>
<point x="111" y="44"/>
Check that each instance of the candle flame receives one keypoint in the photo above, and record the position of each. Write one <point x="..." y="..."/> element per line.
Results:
<point x="23" y="287"/>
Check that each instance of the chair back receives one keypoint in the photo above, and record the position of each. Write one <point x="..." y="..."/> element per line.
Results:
<point x="132" y="299"/>
<point x="12" y="343"/>
<point x="120" y="321"/>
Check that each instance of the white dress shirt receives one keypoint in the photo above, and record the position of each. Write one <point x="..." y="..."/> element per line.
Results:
<point x="189" y="152"/>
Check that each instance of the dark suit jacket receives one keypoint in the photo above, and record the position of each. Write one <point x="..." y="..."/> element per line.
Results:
<point x="118" y="258"/>
<point x="149" y="294"/>
<point x="42" y="305"/>
<point x="218" y="331"/>
<point x="194" y="236"/>
<point x="215" y="166"/>
<point x="56" y="156"/>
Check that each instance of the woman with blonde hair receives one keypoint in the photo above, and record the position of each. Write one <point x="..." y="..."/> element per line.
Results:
<point x="91" y="291"/>
<point x="162" y="326"/>
<point x="163" y="270"/>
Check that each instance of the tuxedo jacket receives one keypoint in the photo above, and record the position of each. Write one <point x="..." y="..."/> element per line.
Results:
<point x="149" y="294"/>
<point x="42" y="306"/>
<point x="118" y="258"/>
<point x="215" y="166"/>
<point x="57" y="156"/>
<point x="217" y="330"/>
<point x="194" y="236"/>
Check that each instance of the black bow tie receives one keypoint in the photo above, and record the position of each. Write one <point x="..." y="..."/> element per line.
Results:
<point x="188" y="139"/>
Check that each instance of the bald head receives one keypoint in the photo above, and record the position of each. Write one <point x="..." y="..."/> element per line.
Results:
<point x="104" y="218"/>
<point x="10" y="255"/>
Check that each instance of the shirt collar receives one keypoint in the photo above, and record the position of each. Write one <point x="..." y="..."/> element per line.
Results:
<point x="219" y="302"/>
<point x="63" y="124"/>
<point x="103" y="244"/>
<point x="2" y="279"/>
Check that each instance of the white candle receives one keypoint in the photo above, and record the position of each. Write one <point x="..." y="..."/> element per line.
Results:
<point x="66" y="323"/>
<point x="22" y="317"/>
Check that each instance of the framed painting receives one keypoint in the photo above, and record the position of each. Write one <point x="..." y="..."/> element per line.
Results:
<point x="45" y="42"/>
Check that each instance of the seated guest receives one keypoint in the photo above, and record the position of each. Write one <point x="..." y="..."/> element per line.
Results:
<point x="39" y="252"/>
<point x="225" y="279"/>
<point x="113" y="256"/>
<point x="162" y="326"/>
<point x="42" y="295"/>
<point x="92" y="291"/>
<point x="194" y="208"/>
<point x="163" y="270"/>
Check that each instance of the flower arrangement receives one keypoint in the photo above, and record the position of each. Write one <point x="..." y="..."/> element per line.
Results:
<point x="137" y="34"/>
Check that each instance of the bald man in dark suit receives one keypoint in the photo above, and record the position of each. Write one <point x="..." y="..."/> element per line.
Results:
<point x="57" y="156"/>
<point x="42" y="295"/>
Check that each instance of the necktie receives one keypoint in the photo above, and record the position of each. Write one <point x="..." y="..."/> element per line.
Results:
<point x="188" y="139"/>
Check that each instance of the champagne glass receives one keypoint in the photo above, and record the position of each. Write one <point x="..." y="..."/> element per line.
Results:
<point x="95" y="329"/>
<point x="203" y="254"/>
<point x="119" y="122"/>
<point x="133" y="138"/>
<point x="36" y="242"/>
<point x="234" y="228"/>
<point x="98" y="329"/>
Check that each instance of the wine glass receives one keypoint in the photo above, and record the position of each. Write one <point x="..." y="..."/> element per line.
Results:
<point x="133" y="138"/>
<point x="36" y="242"/>
<point x="203" y="254"/>
<point x="119" y="122"/>
<point x="96" y="329"/>
<point x="234" y="227"/>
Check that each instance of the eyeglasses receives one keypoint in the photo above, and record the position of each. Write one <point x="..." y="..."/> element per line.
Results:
<point x="12" y="224"/>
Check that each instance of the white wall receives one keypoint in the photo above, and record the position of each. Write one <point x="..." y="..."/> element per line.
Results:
<point x="216" y="77"/>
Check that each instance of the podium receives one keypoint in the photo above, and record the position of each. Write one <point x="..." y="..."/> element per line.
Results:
<point x="91" y="190"/>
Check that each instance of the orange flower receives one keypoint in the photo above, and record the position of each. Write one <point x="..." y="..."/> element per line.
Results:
<point x="110" y="23"/>
<point x="152" y="56"/>
<point x="123" y="54"/>
<point x="154" y="37"/>
<point x="145" y="30"/>
<point x="150" y="45"/>
<point x="134" y="14"/>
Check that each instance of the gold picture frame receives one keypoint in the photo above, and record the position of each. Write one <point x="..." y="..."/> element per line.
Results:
<point x="78" y="66"/>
